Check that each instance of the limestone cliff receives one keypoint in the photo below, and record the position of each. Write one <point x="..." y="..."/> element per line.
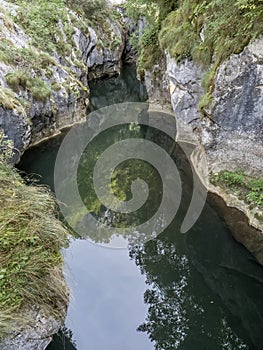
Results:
<point x="41" y="92"/>
<point x="230" y="130"/>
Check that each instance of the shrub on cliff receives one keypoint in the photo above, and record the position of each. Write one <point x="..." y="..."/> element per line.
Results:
<point x="40" y="90"/>
<point x="89" y="8"/>
<point x="50" y="23"/>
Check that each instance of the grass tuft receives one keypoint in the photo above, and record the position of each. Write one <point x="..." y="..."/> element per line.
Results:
<point x="31" y="238"/>
<point x="8" y="99"/>
<point x="17" y="79"/>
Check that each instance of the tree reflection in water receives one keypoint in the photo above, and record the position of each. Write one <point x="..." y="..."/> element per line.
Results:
<point x="197" y="287"/>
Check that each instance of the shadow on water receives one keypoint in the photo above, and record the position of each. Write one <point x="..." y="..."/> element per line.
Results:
<point x="203" y="290"/>
<point x="63" y="340"/>
<point x="122" y="88"/>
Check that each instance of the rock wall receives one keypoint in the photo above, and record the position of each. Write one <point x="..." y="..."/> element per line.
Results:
<point x="29" y="119"/>
<point x="102" y="61"/>
<point x="157" y="83"/>
<point x="230" y="133"/>
<point x="232" y="129"/>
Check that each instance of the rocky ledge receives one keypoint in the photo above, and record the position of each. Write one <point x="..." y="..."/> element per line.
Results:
<point x="36" y="336"/>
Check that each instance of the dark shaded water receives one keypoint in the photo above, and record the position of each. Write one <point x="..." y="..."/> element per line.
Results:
<point x="194" y="291"/>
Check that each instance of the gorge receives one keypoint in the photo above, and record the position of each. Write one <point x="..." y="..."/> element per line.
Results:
<point x="190" y="278"/>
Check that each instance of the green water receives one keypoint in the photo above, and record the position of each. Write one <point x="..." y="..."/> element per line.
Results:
<point x="196" y="291"/>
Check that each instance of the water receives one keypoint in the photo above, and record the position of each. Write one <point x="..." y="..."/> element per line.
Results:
<point x="196" y="291"/>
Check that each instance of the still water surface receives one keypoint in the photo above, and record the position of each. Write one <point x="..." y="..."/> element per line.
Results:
<point x="197" y="291"/>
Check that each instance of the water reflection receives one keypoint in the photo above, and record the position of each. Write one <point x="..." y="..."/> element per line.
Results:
<point x="109" y="91"/>
<point x="63" y="340"/>
<point x="204" y="290"/>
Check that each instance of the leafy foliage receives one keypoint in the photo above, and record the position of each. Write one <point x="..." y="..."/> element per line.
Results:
<point x="147" y="43"/>
<point x="40" y="21"/>
<point x="91" y="9"/>
<point x="6" y="148"/>
<point x="50" y="23"/>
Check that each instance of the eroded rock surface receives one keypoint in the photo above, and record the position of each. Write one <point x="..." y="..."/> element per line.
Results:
<point x="27" y="118"/>
<point x="34" y="337"/>
<point x="232" y="131"/>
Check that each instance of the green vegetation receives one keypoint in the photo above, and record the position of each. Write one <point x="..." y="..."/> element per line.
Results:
<point x="40" y="20"/>
<point x="206" y="31"/>
<point x="147" y="44"/>
<point x="247" y="188"/>
<point x="31" y="238"/>
<point x="50" y="23"/>
<point x="8" y="99"/>
<point x="51" y="26"/>
<point x="30" y="59"/>
<point x="40" y="90"/>
<point x="6" y="148"/>
<point x="26" y="56"/>
<point x="92" y="9"/>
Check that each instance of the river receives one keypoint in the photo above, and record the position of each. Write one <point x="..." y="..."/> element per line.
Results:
<point x="196" y="291"/>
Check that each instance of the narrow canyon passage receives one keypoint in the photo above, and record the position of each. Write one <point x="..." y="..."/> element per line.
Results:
<point x="193" y="291"/>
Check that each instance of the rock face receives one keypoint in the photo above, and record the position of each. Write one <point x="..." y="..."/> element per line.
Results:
<point x="30" y="118"/>
<point x="157" y="83"/>
<point x="232" y="131"/>
<point x="36" y="337"/>
<point x="42" y="94"/>
<point x="16" y="128"/>
<point x="28" y="122"/>
<point x="102" y="60"/>
<point x="237" y="109"/>
<point x="185" y="88"/>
